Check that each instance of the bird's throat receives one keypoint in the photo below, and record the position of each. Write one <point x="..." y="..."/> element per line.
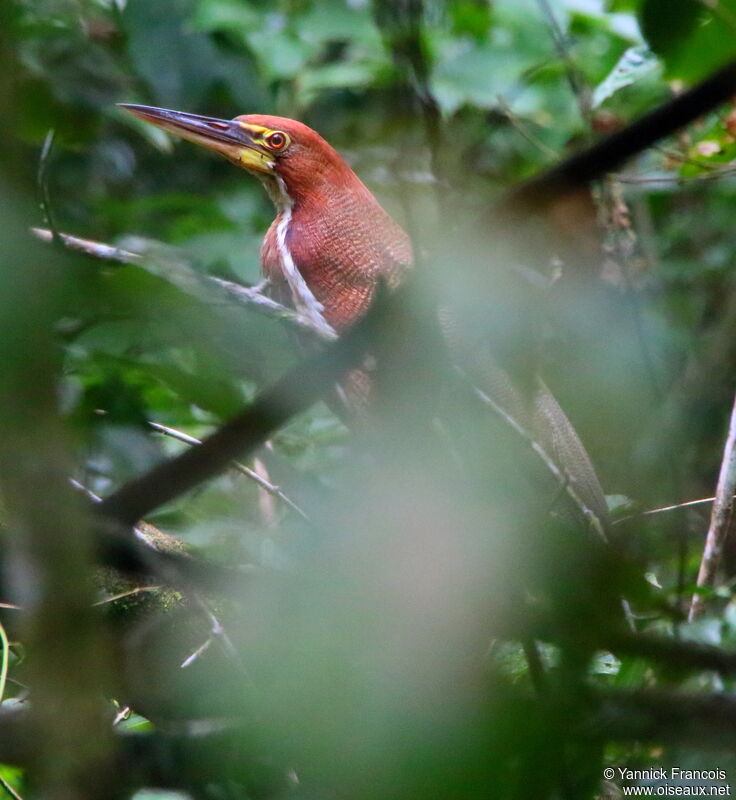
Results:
<point x="302" y="297"/>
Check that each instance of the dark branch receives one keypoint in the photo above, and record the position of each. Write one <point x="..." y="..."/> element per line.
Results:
<point x="295" y="392"/>
<point x="706" y="720"/>
<point x="606" y="155"/>
<point x="673" y="653"/>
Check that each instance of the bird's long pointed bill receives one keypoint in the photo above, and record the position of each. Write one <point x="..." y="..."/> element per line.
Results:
<point x="224" y="136"/>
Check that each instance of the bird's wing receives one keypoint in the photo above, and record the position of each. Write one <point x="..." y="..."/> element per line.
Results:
<point x="556" y="434"/>
<point x="534" y="413"/>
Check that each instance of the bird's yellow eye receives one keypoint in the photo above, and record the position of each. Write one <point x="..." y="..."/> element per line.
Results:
<point x="277" y="140"/>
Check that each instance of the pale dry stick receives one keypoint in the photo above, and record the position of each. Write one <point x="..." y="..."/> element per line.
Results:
<point x="266" y="500"/>
<point x="104" y="252"/>
<point x="720" y="517"/>
<point x="264" y="484"/>
<point x="662" y="509"/>
<point x="252" y="297"/>
<point x="122" y="595"/>
<point x="245" y="295"/>
<point x="5" y="661"/>
<point x="217" y="632"/>
<point x="9" y="789"/>
<point x="190" y="659"/>
<point x="124" y="713"/>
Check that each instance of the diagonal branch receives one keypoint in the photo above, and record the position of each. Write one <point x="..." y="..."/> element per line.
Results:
<point x="293" y="393"/>
<point x="245" y="295"/>
<point x="720" y="518"/>
<point x="609" y="153"/>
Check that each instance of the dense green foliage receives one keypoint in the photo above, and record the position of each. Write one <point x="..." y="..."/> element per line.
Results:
<point x="379" y="646"/>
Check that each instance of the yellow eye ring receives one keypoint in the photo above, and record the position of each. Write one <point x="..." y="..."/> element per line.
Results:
<point x="277" y="140"/>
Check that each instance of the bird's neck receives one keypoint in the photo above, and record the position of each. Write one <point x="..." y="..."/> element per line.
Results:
<point x="319" y="244"/>
<point x="288" y="209"/>
<point x="278" y="192"/>
<point x="315" y="197"/>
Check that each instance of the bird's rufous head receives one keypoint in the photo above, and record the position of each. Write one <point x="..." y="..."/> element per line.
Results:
<point x="267" y="146"/>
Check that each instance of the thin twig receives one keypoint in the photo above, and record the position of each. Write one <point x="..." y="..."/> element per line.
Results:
<point x="122" y="714"/>
<point x="720" y="518"/>
<point x="104" y="252"/>
<point x="662" y="509"/>
<point x="580" y="91"/>
<point x="250" y="296"/>
<point x="190" y="659"/>
<point x="683" y="159"/>
<point x="714" y="175"/>
<point x="266" y="485"/>
<point x="5" y="661"/>
<point x="218" y="632"/>
<point x="401" y="24"/>
<point x="122" y="595"/>
<point x="519" y="126"/>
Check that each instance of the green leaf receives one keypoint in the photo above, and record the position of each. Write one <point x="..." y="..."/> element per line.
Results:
<point x="13" y="776"/>
<point x="623" y="5"/>
<point x="134" y="723"/>
<point x="692" y="39"/>
<point x="470" y="17"/>
<point x="210" y="392"/>
<point x="220" y="15"/>
<point x="341" y="75"/>
<point x="473" y="74"/>
<point x="667" y="26"/>
<point x="634" y="64"/>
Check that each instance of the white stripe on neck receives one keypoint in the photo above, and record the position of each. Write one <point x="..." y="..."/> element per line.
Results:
<point x="304" y="300"/>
